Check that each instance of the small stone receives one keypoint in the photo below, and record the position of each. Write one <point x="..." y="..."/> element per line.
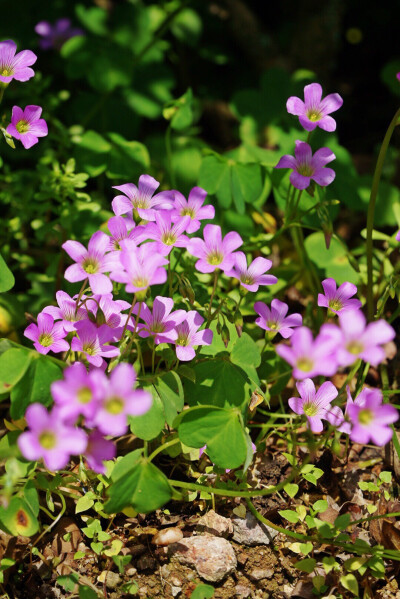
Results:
<point x="242" y="591"/>
<point x="112" y="579"/>
<point x="249" y="531"/>
<point x="167" y="536"/>
<point x="175" y="591"/>
<point x="165" y="571"/>
<point x="213" y="557"/>
<point x="242" y="558"/>
<point x="131" y="571"/>
<point x="176" y="581"/>
<point x="214" y="524"/>
<point x="261" y="573"/>
<point x="146" y="562"/>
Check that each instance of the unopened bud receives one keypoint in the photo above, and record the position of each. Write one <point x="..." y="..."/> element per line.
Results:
<point x="238" y="322"/>
<point x="225" y="335"/>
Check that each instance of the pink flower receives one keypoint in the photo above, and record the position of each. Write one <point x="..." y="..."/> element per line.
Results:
<point x="67" y="311"/>
<point x="355" y="339"/>
<point x="309" y="357"/>
<point x="54" y="36"/>
<point x="92" y="341"/>
<point x="77" y="394"/>
<point x="398" y="236"/>
<point x="47" y="335"/>
<point x="315" y="405"/>
<point x="91" y="263"/>
<point x="337" y="300"/>
<point x="141" y="198"/>
<point x="214" y="252"/>
<point x="161" y="322"/>
<point x="307" y="167"/>
<point x="192" y="207"/>
<point x="139" y="267"/>
<point x="189" y="336"/>
<point x="50" y="438"/>
<point x="121" y="400"/>
<point x="102" y="309"/>
<point x="99" y="449"/>
<point x="15" y="66"/>
<point x="314" y="111"/>
<point x="370" y="419"/>
<point x="27" y="126"/>
<point x="252" y="276"/>
<point x="165" y="233"/>
<point x="275" y="319"/>
<point x="120" y="228"/>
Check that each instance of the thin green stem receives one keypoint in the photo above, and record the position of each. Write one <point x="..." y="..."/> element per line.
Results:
<point x="81" y="292"/>
<point x="2" y="90"/>
<point x="129" y="315"/>
<point x="169" y="276"/>
<point x="153" y="357"/>
<point x="371" y="211"/>
<point x="216" y="274"/>
<point x="162" y="447"/>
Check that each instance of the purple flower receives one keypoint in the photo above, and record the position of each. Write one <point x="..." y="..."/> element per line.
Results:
<point x="398" y="236"/>
<point x="315" y="405"/>
<point x="370" y="418"/>
<point x="99" y="449"/>
<point x="104" y="310"/>
<point x="47" y="335"/>
<point x="120" y="228"/>
<point x="161" y="322"/>
<point x="91" y="263"/>
<point x="307" y="356"/>
<point x="92" y="341"/>
<point x="355" y="339"/>
<point x="141" y="198"/>
<point x="189" y="336"/>
<point x="192" y="207"/>
<point x="251" y="277"/>
<point x="214" y="252"/>
<point x="307" y="166"/>
<point x="67" y="311"/>
<point x="50" y="438"/>
<point x="55" y="35"/>
<point x="337" y="300"/>
<point x="165" y="233"/>
<point x="139" y="267"/>
<point x="398" y="76"/>
<point x="27" y="126"/>
<point x="78" y="394"/>
<point x="121" y="400"/>
<point x="15" y="66"/>
<point x="314" y="111"/>
<point x="275" y="319"/>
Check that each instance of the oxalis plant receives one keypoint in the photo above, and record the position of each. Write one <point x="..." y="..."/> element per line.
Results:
<point x="166" y="340"/>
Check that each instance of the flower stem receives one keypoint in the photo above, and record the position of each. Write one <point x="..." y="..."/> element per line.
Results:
<point x="162" y="447"/>
<point x="81" y="292"/>
<point x="216" y="273"/>
<point x="129" y="315"/>
<point x="371" y="210"/>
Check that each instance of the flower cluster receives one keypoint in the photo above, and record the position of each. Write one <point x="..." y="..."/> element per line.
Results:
<point x="97" y="403"/>
<point x="26" y="124"/>
<point x="313" y="112"/>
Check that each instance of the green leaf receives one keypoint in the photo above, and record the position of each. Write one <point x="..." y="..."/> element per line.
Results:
<point x="214" y="177"/>
<point x="149" y="425"/>
<point x="349" y="581"/>
<point x="68" y="581"/>
<point x="34" y="386"/>
<point x="291" y="489"/>
<point x="7" y="280"/>
<point x="306" y="565"/>
<point x="246" y="184"/>
<point x="289" y="515"/>
<point x="342" y="522"/>
<point x="127" y="159"/>
<point x="203" y="591"/>
<point x="145" y="488"/>
<point x="86" y="592"/>
<point x="85" y="502"/>
<point x="18" y="518"/>
<point x="97" y="547"/>
<point x="333" y="262"/>
<point x="220" y="430"/>
<point x="305" y="548"/>
<point x="125" y="464"/>
<point x="31" y="497"/>
<point x="121" y="561"/>
<point x="386" y="477"/>
<point x="170" y="390"/>
<point x="320" y="506"/>
<point x="13" y="364"/>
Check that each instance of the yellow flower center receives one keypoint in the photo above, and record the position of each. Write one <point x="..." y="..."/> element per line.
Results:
<point x="354" y="347"/>
<point x="215" y="258"/>
<point x="115" y="405"/>
<point x="6" y="71"/>
<point x="335" y="304"/>
<point x="22" y="126"/>
<point x="45" y="339"/>
<point x="365" y="417"/>
<point x="168" y="238"/>
<point x="84" y="395"/>
<point x="304" y="364"/>
<point x="310" y="409"/>
<point x="305" y="170"/>
<point x="47" y="440"/>
<point x="314" y="115"/>
<point x="90" y="266"/>
<point x="188" y="212"/>
<point x="247" y="280"/>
